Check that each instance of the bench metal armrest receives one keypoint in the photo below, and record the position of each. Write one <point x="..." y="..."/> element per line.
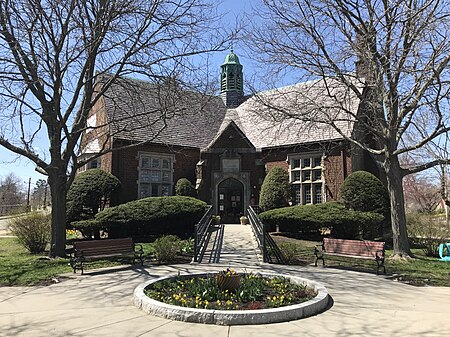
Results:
<point x="139" y="249"/>
<point x="318" y="252"/>
<point x="318" y="249"/>
<point x="139" y="253"/>
<point x="380" y="254"/>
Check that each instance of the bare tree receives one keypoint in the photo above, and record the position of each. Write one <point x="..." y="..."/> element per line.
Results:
<point x="12" y="195"/>
<point x="438" y="149"/>
<point x="401" y="50"/>
<point x="421" y="194"/>
<point x="52" y="54"/>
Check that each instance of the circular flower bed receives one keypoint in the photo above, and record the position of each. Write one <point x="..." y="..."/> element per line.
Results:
<point x="254" y="292"/>
<point x="260" y="298"/>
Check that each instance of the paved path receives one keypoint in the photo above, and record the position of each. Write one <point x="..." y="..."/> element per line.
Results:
<point x="4" y="231"/>
<point x="232" y="244"/>
<point x="100" y="304"/>
<point x="238" y="247"/>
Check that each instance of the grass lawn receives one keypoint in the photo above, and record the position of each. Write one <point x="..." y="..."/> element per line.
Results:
<point x="20" y="268"/>
<point x="422" y="270"/>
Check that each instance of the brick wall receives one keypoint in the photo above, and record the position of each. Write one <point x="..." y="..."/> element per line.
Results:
<point x="337" y="168"/>
<point x="125" y="164"/>
<point x="337" y="165"/>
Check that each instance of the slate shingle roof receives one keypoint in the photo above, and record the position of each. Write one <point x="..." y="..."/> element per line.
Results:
<point x="283" y="116"/>
<point x="140" y="110"/>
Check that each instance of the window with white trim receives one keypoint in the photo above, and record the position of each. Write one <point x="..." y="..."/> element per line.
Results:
<point x="306" y="177"/>
<point x="155" y="175"/>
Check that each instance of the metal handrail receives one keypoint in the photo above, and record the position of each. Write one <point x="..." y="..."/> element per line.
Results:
<point x="269" y="250"/>
<point x="202" y="234"/>
<point x="258" y="231"/>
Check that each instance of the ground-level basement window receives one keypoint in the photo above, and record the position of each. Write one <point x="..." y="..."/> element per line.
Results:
<point x="306" y="177"/>
<point x="155" y="174"/>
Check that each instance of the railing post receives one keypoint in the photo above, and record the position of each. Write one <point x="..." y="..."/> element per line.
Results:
<point x="263" y="229"/>
<point x="196" y="243"/>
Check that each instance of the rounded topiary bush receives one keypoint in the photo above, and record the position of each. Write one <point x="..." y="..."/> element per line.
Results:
<point x="362" y="191"/>
<point x="275" y="190"/>
<point x="154" y="215"/>
<point x="184" y="187"/>
<point x="343" y="222"/>
<point x="90" y="192"/>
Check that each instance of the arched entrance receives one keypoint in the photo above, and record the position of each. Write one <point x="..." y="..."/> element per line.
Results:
<point x="230" y="200"/>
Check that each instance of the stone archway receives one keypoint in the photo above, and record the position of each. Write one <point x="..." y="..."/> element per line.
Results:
<point x="230" y="200"/>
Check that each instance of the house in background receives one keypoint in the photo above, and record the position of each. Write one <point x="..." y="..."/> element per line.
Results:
<point x="223" y="144"/>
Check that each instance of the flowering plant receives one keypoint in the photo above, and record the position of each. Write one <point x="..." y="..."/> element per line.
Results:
<point x="228" y="272"/>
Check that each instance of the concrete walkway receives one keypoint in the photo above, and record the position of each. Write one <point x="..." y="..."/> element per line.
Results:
<point x="100" y="304"/>
<point x="4" y="222"/>
<point x="233" y="245"/>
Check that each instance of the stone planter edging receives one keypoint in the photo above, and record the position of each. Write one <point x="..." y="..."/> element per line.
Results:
<point x="233" y="317"/>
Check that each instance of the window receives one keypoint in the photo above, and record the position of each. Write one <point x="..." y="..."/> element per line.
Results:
<point x="94" y="163"/>
<point x="155" y="175"/>
<point x="305" y="174"/>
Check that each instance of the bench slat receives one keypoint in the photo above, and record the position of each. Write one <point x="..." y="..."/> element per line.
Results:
<point x="352" y="247"/>
<point x="95" y="249"/>
<point x="360" y="249"/>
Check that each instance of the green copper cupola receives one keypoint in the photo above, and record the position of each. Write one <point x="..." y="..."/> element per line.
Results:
<point x="231" y="80"/>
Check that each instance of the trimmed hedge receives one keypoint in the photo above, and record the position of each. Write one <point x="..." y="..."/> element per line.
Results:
<point x="343" y="222"/>
<point x="275" y="190"/>
<point x="88" y="227"/>
<point x="184" y="187"/>
<point x="89" y="193"/>
<point x="154" y="215"/>
<point x="362" y="191"/>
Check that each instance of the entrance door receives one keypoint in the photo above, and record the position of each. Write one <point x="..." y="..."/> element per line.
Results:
<point x="230" y="200"/>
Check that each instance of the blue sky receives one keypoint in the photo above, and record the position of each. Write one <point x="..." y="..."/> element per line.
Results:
<point x="25" y="169"/>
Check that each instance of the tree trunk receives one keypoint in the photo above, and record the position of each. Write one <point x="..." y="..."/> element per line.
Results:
<point x="398" y="217"/>
<point x="57" y="182"/>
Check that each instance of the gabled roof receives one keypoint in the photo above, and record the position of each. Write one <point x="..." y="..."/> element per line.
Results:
<point x="166" y="114"/>
<point x="297" y="114"/>
<point x="230" y="132"/>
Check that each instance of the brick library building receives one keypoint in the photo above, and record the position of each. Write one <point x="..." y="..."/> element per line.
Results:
<point x="225" y="144"/>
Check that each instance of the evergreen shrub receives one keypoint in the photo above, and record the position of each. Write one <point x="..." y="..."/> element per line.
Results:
<point x="275" y="190"/>
<point x="33" y="231"/>
<point x="184" y="187"/>
<point x="90" y="192"/>
<point x="362" y="191"/>
<point x="154" y="215"/>
<point x="344" y="223"/>
<point x="88" y="227"/>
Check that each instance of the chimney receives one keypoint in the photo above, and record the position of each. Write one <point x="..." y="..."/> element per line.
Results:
<point x="365" y="44"/>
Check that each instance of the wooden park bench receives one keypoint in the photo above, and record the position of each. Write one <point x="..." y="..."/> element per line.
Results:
<point x="369" y="250"/>
<point x="98" y="249"/>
